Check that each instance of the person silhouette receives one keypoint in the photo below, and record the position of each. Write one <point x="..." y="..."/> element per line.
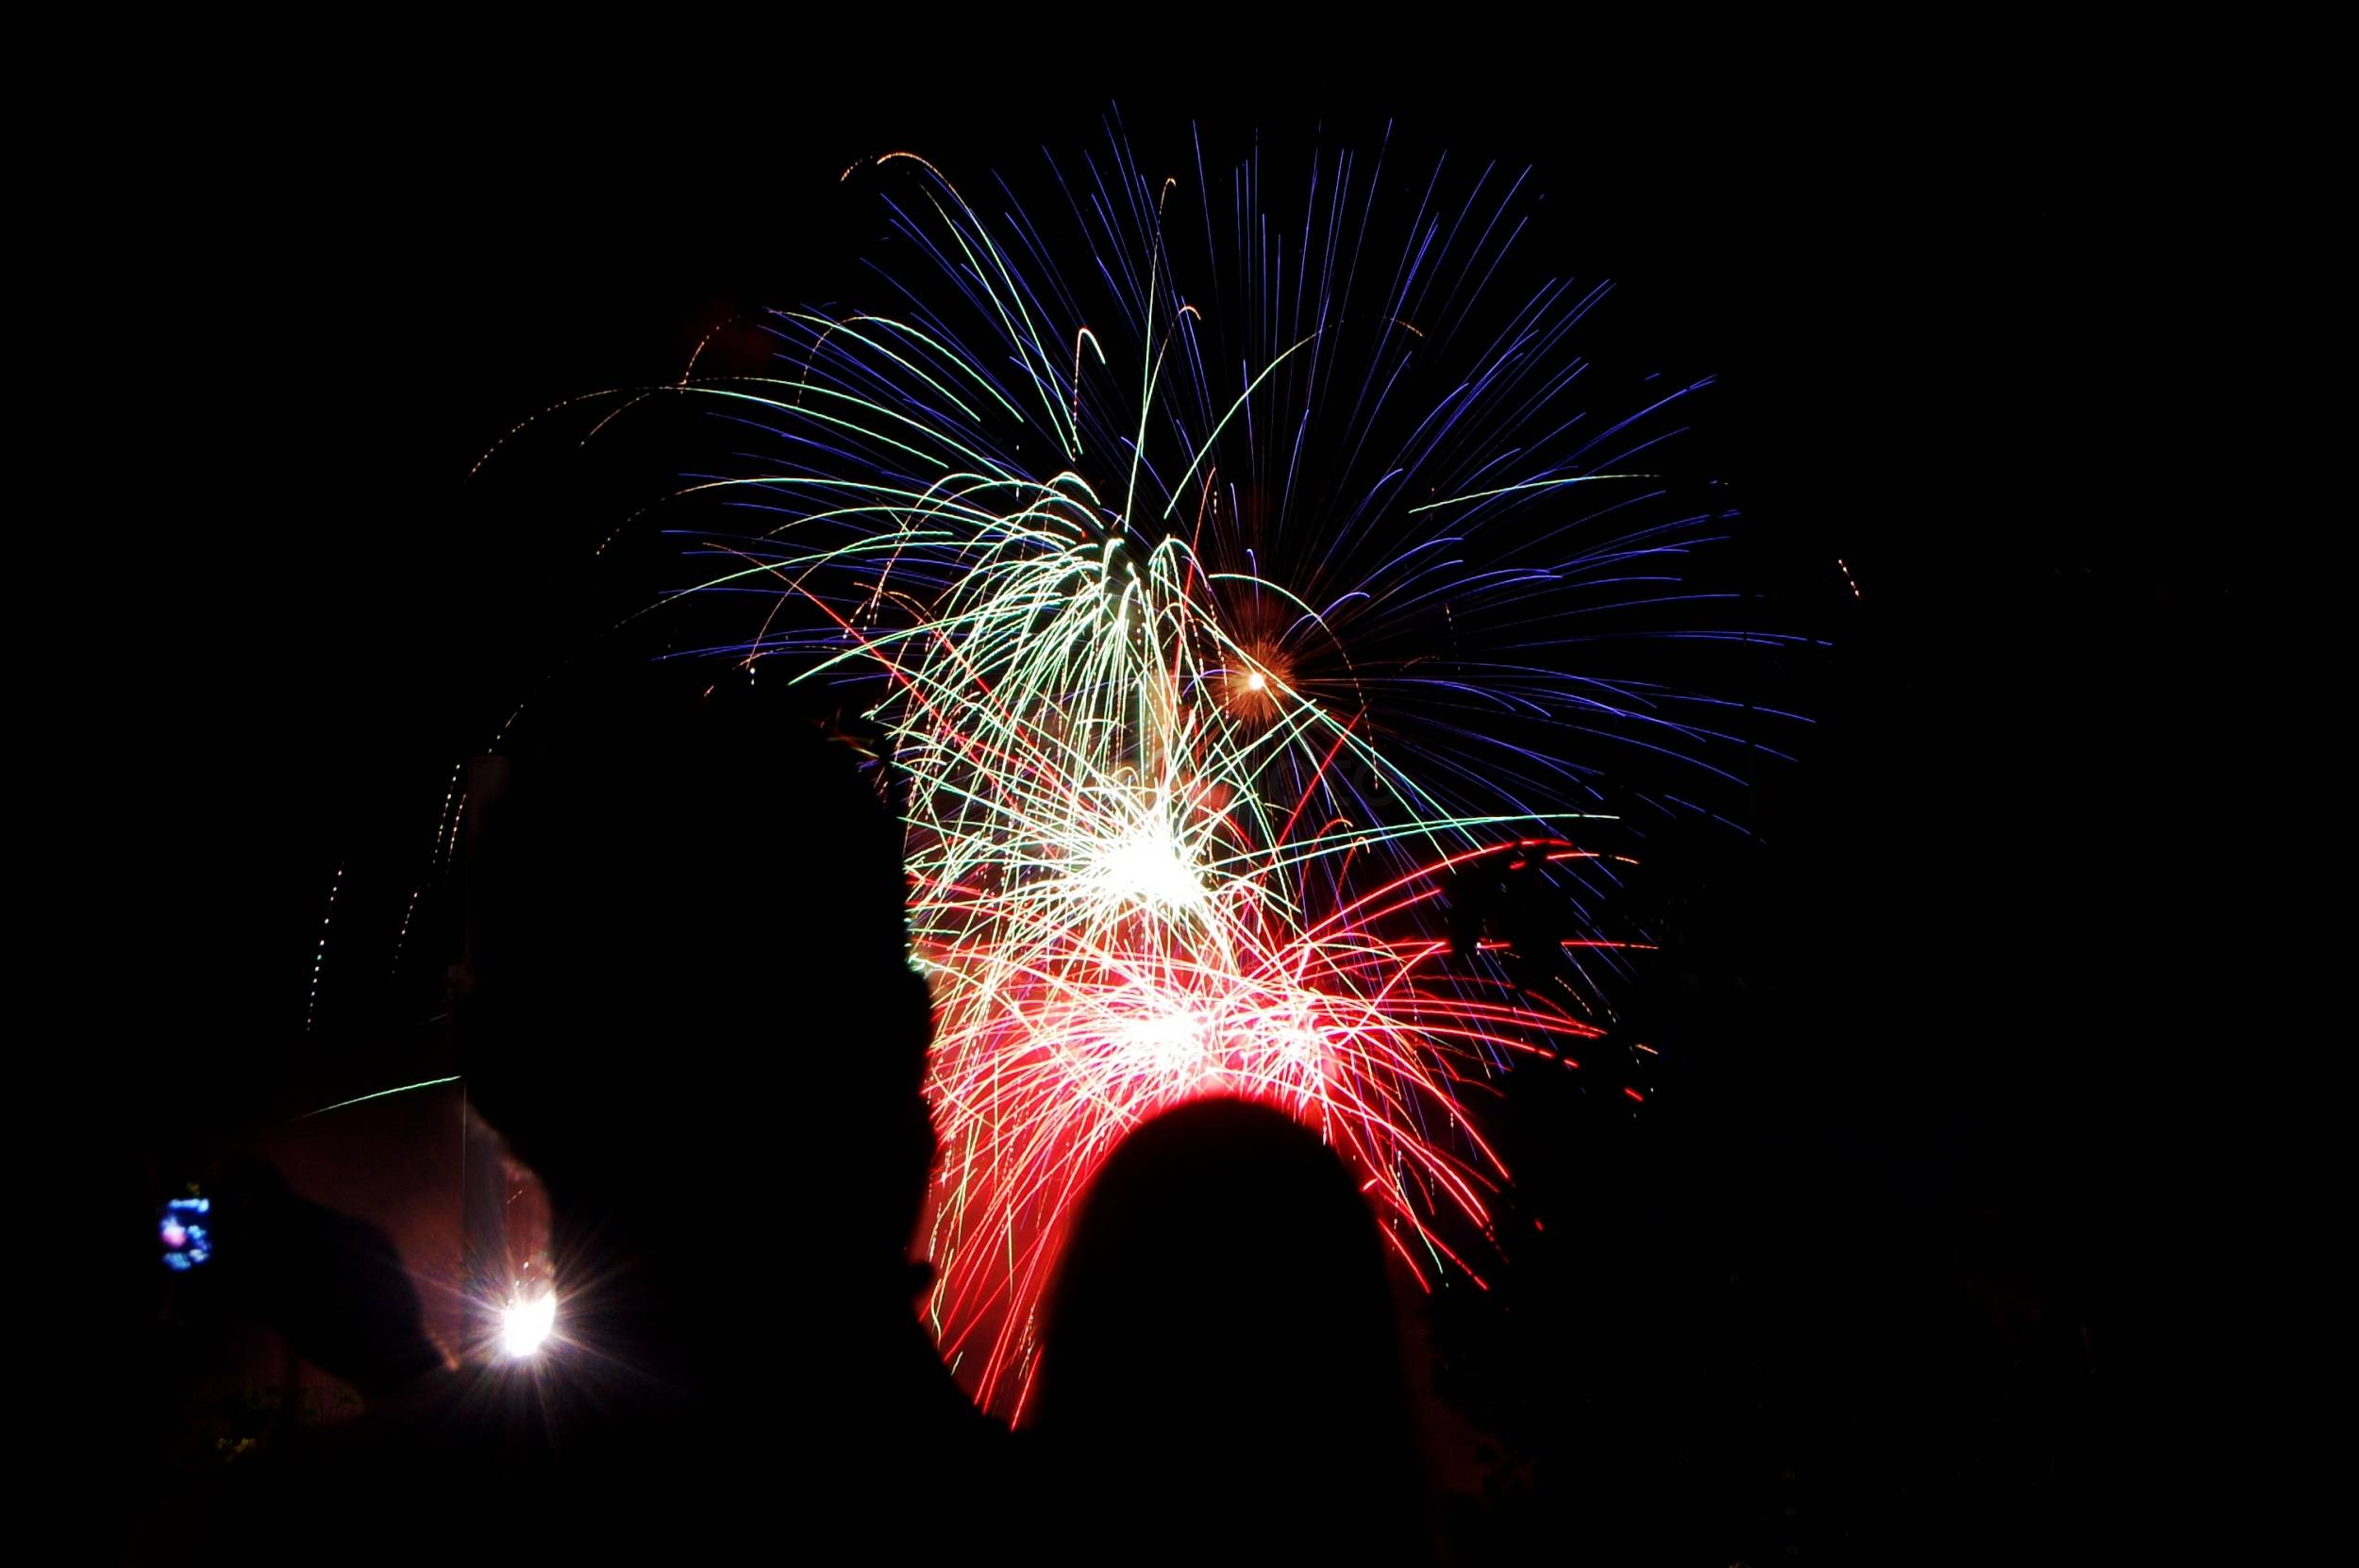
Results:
<point x="686" y="1002"/>
<point x="1220" y="1377"/>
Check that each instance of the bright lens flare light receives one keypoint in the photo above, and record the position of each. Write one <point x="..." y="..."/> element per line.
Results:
<point x="526" y="1326"/>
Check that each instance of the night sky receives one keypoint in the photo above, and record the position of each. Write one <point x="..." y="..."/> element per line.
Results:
<point x="1935" y="1020"/>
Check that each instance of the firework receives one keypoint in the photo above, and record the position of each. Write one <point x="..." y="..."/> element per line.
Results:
<point x="1223" y="598"/>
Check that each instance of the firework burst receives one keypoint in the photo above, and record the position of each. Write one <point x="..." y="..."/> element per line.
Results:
<point x="1223" y="598"/>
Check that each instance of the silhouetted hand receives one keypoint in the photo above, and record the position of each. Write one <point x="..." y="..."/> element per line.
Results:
<point x="334" y="1286"/>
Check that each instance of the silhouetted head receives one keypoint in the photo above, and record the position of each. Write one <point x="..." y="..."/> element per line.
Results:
<point x="1220" y="1369"/>
<point x="687" y="1002"/>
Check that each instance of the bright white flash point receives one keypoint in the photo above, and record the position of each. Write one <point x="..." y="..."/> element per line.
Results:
<point x="525" y="1326"/>
<point x="1149" y="865"/>
<point x="1255" y="681"/>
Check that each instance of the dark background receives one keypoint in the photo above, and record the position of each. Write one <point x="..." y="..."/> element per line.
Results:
<point x="1893" y="1269"/>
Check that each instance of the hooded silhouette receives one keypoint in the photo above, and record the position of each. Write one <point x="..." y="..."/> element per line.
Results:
<point x="1220" y="1377"/>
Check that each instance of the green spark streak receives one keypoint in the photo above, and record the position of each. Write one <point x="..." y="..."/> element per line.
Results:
<point x="1212" y="441"/>
<point x="404" y="1088"/>
<point x="1536" y="484"/>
